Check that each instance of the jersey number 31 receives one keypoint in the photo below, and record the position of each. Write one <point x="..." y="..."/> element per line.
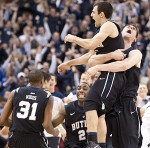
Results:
<point x="24" y="110"/>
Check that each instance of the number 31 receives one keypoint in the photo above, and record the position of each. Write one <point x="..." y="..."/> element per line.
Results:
<point x="24" y="111"/>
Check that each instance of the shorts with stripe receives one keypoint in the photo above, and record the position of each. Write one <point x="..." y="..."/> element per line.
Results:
<point x="27" y="140"/>
<point x="104" y="92"/>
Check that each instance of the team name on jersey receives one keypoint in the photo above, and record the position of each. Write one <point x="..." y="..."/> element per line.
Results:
<point x="78" y="125"/>
<point x="31" y="97"/>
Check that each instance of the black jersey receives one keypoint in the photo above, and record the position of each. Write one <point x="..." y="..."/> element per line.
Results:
<point x="75" y="123"/>
<point x="111" y="44"/>
<point x="133" y="80"/>
<point x="28" y="109"/>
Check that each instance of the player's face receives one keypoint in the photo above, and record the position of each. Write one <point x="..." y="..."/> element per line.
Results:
<point x="96" y="17"/>
<point x="52" y="81"/>
<point x="46" y="84"/>
<point x="82" y="91"/>
<point x="129" y="32"/>
<point x="142" y="90"/>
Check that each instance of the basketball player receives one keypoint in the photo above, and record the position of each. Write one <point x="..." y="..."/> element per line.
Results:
<point x="31" y="109"/>
<point x="106" y="40"/>
<point x="75" y="121"/>
<point x="49" y="85"/>
<point x="72" y="96"/>
<point x="122" y="121"/>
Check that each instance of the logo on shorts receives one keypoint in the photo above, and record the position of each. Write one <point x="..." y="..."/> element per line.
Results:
<point x="103" y="106"/>
<point x="72" y="113"/>
<point x="132" y="112"/>
<point x="102" y="78"/>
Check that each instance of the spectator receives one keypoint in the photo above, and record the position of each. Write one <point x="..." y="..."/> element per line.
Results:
<point x="23" y="25"/>
<point x="142" y="97"/>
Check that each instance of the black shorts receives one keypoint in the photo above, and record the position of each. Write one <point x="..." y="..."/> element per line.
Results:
<point x="123" y="124"/>
<point x="104" y="92"/>
<point x="3" y="142"/>
<point x="26" y="140"/>
<point x="70" y="144"/>
<point x="53" y="141"/>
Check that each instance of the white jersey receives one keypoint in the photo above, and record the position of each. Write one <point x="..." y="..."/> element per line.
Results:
<point x="142" y="102"/>
<point x="146" y="117"/>
<point x="56" y="107"/>
<point x="72" y="96"/>
<point x="145" y="128"/>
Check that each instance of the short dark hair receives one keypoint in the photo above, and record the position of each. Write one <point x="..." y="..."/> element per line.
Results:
<point x="47" y="76"/>
<point x="51" y="74"/>
<point x="85" y="83"/>
<point x="137" y="29"/>
<point x="35" y="76"/>
<point x="105" y="7"/>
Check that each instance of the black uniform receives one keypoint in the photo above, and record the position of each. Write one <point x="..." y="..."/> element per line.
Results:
<point x="28" y="114"/>
<point x="109" y="85"/>
<point x="123" y="121"/>
<point x="75" y="123"/>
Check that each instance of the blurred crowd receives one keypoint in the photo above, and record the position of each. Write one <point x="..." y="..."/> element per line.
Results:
<point x="32" y="36"/>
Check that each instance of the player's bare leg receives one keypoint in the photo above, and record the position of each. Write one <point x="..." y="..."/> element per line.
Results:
<point x="101" y="131"/>
<point x="92" y="122"/>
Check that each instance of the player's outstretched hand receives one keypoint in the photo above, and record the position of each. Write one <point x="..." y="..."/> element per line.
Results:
<point x="63" y="67"/>
<point x="118" y="55"/>
<point x="69" y="38"/>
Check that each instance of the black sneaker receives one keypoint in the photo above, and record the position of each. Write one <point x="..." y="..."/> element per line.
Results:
<point x="92" y="144"/>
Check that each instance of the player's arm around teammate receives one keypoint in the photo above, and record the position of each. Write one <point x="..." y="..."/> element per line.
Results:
<point x="134" y="59"/>
<point x="91" y="59"/>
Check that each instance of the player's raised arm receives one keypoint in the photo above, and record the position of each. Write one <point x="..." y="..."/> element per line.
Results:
<point x="94" y="42"/>
<point x="78" y="61"/>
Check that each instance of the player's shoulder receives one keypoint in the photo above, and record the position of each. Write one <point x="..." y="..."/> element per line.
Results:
<point x="71" y="105"/>
<point x="48" y="94"/>
<point x="19" y="89"/>
<point x="135" y="52"/>
<point x="110" y="24"/>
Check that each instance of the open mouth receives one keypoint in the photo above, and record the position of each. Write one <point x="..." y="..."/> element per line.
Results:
<point x="129" y="31"/>
<point x="81" y="96"/>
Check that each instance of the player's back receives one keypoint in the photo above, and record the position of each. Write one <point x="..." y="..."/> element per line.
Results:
<point x="75" y="123"/>
<point x="28" y="109"/>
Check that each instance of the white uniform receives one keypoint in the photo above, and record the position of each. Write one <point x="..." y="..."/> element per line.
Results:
<point x="142" y="102"/>
<point x="56" y="105"/>
<point x="145" y="128"/>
